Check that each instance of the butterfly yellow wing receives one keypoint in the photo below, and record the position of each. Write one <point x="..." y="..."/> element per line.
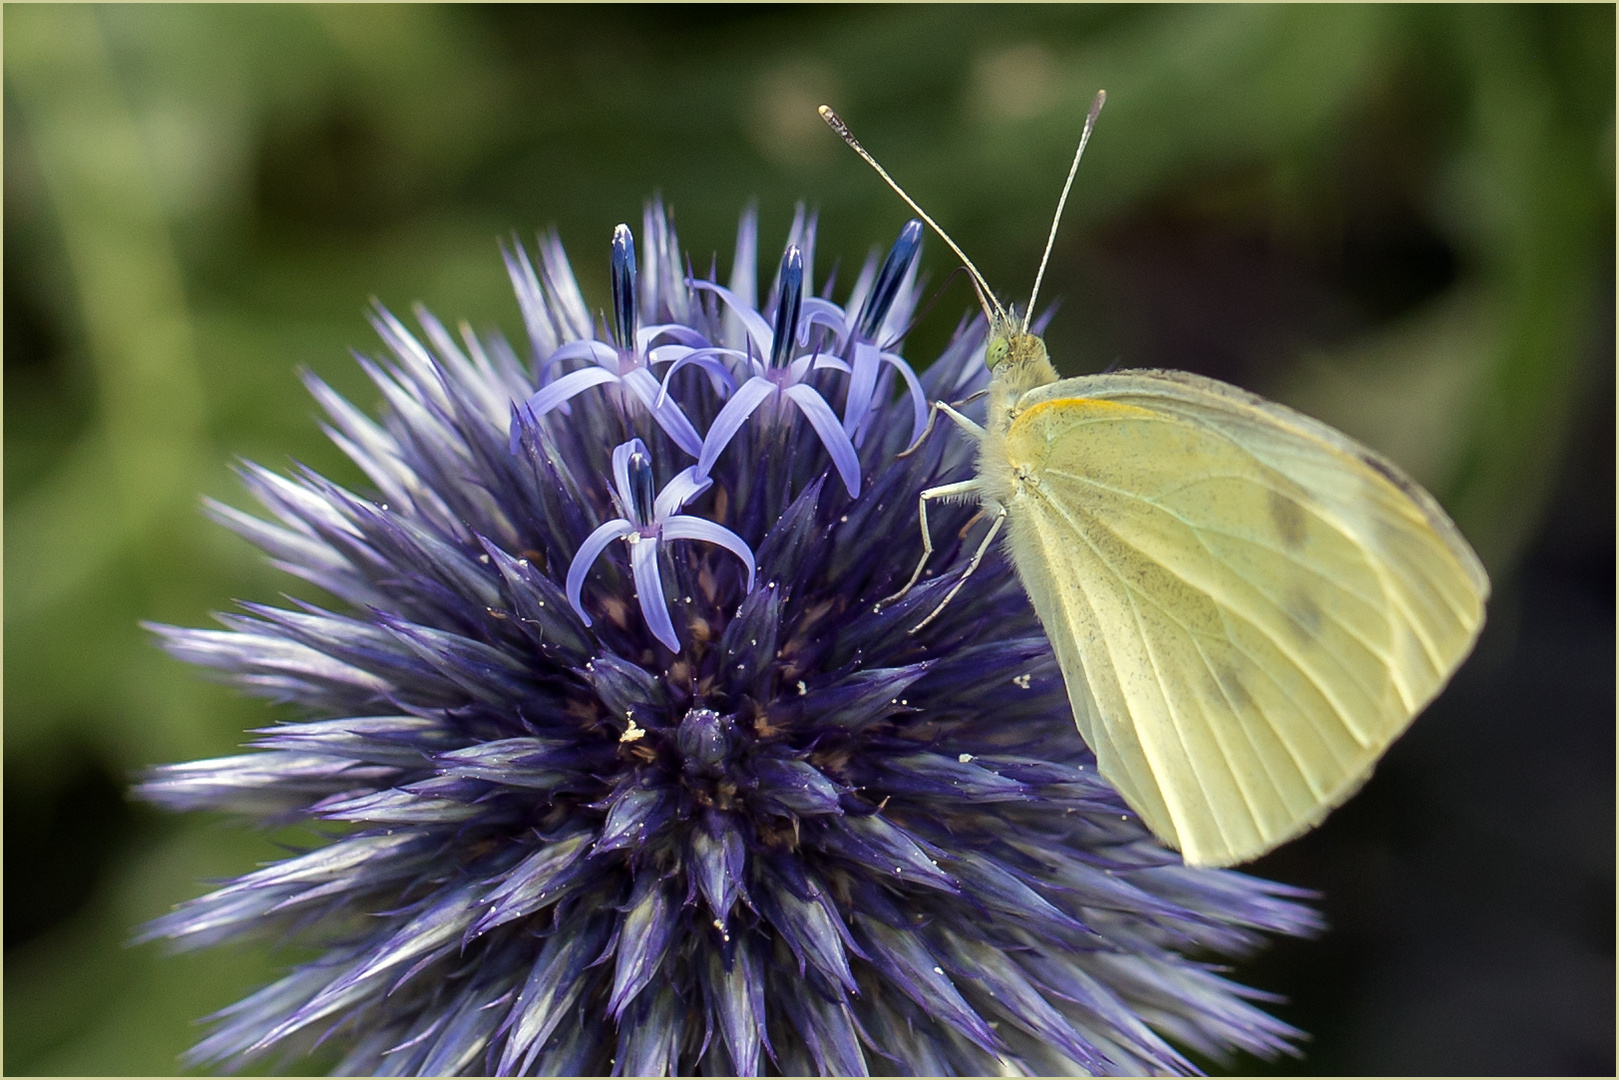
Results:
<point x="1248" y="607"/>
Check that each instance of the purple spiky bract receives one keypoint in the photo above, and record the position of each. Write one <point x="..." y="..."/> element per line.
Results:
<point x="806" y="841"/>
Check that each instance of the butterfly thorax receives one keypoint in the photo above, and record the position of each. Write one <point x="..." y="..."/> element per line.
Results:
<point x="1019" y="363"/>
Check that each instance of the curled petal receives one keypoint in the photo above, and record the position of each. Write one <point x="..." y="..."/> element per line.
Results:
<point x="678" y="332"/>
<point x="805" y="364"/>
<point x="574" y="382"/>
<point x="687" y="484"/>
<point x="622" y="481"/>
<point x="862" y="384"/>
<point x="919" y="400"/>
<point x="825" y="313"/>
<point x="758" y="330"/>
<point x="748" y="397"/>
<point x="686" y="527"/>
<point x="649" y="590"/>
<point x="597" y="352"/>
<point x="668" y="414"/>
<point x="707" y="359"/>
<point x="588" y="552"/>
<point x="825" y="423"/>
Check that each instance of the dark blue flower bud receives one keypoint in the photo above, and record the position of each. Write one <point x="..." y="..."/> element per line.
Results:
<point x="624" y="304"/>
<point x="704" y="738"/>
<point x="641" y="488"/>
<point x="900" y="257"/>
<point x="788" y="302"/>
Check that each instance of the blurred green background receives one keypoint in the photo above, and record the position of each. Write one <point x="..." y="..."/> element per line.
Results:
<point x="1398" y="218"/>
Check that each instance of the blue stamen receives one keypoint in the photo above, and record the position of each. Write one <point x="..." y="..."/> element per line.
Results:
<point x="900" y="256"/>
<point x="641" y="494"/>
<point x="787" y="304"/>
<point x="624" y="306"/>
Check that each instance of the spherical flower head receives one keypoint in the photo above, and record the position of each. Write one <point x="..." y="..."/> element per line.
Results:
<point x="617" y="763"/>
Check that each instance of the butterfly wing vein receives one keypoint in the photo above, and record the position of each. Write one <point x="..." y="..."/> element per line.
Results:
<point x="1247" y="606"/>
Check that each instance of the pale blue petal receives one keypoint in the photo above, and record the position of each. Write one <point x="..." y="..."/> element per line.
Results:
<point x="825" y="423"/>
<point x="825" y="360"/>
<point x="649" y="591"/>
<point x="587" y="554"/>
<point x="824" y="312"/>
<point x="707" y="359"/>
<point x="919" y="400"/>
<point x="758" y="330"/>
<point x="668" y="414"/>
<point x="683" y="334"/>
<point x="686" y="486"/>
<point x="574" y="382"/>
<point x="621" y="469"/>
<point x="862" y="383"/>
<point x="748" y="397"/>
<point x="686" y="527"/>
<point x="542" y="335"/>
<point x="597" y="352"/>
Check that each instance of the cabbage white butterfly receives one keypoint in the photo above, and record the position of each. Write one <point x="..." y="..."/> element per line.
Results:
<point x="1248" y="606"/>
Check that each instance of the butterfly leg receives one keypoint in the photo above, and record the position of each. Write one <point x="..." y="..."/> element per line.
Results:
<point x="944" y="491"/>
<point x="978" y="557"/>
<point x="969" y="426"/>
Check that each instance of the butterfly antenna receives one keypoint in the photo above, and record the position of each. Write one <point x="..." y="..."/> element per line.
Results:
<point x="1084" y="137"/>
<point x="985" y="296"/>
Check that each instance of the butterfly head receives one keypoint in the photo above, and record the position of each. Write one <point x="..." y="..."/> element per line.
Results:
<point x="1018" y="357"/>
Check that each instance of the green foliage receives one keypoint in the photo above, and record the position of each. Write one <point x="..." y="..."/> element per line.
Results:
<point x="1400" y="218"/>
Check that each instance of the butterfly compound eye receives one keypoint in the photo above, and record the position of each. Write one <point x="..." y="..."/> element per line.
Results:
<point x="998" y="348"/>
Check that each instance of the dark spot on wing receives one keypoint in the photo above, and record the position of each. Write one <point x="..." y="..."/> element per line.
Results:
<point x="1289" y="518"/>
<point x="1235" y="692"/>
<point x="1305" y="614"/>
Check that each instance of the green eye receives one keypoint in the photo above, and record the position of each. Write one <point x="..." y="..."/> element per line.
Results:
<point x="997" y="351"/>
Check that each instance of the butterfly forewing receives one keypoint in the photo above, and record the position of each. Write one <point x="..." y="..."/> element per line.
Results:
<point x="1247" y="606"/>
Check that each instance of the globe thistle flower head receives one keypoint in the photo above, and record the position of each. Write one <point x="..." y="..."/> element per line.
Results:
<point x="616" y="765"/>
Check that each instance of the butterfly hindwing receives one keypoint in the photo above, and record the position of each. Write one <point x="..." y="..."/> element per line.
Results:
<point x="1248" y="607"/>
